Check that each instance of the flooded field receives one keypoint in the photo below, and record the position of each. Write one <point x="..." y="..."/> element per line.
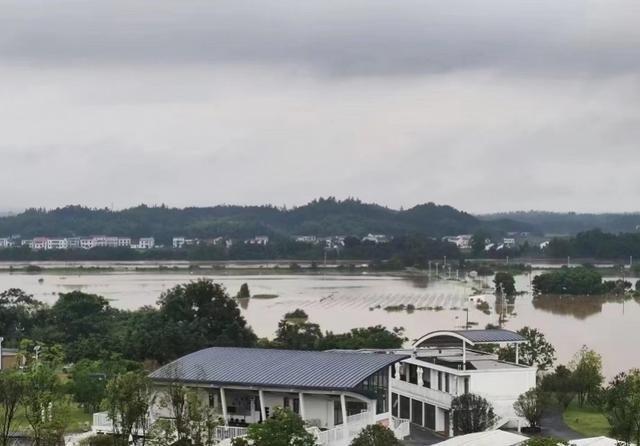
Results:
<point x="340" y="302"/>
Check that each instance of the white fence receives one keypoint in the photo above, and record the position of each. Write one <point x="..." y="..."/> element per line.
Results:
<point x="229" y="432"/>
<point x="400" y="427"/>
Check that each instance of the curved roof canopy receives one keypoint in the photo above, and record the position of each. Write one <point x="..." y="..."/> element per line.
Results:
<point x="291" y="369"/>
<point x="449" y="338"/>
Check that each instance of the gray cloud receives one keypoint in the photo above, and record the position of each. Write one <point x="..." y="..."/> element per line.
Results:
<point x="483" y="105"/>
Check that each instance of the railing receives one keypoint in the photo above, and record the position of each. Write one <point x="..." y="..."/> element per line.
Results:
<point x="228" y="432"/>
<point x="442" y="399"/>
<point x="401" y="428"/>
<point x="341" y="436"/>
<point x="102" y="423"/>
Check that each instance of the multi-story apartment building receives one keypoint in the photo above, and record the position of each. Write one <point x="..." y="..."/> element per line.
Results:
<point x="39" y="243"/>
<point x="87" y="243"/>
<point x="145" y="243"/>
<point x="57" y="243"/>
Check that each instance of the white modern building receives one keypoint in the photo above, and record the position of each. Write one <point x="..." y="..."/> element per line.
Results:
<point x="312" y="239"/>
<point x="443" y="365"/>
<point x="144" y="243"/>
<point x="262" y="240"/>
<point x="6" y="243"/>
<point x="462" y="241"/>
<point x="38" y="243"/>
<point x="336" y="393"/>
<point x="57" y="243"/>
<point x="376" y="238"/>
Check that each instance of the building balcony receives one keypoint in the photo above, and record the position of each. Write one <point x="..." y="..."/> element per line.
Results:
<point x="432" y="396"/>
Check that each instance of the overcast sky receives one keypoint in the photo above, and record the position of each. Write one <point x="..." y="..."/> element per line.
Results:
<point x="485" y="105"/>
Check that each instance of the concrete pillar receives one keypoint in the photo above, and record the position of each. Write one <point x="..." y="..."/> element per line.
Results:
<point x="517" y="353"/>
<point x="464" y="355"/>
<point x="223" y="402"/>
<point x="302" y="411"/>
<point x="420" y="372"/>
<point x="263" y="411"/>
<point x="389" y="397"/>
<point x="343" y="410"/>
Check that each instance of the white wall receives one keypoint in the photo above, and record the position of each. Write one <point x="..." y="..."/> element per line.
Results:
<point x="502" y="388"/>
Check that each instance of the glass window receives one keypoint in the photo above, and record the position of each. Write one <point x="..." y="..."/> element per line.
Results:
<point x="429" y="416"/>
<point x="416" y="412"/>
<point x="405" y="404"/>
<point x="446" y="382"/>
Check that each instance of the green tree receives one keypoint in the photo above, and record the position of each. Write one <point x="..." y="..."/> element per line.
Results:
<point x="471" y="413"/>
<point x="201" y="314"/>
<point x="19" y="313"/>
<point x="89" y="380"/>
<point x="297" y="335"/>
<point x="244" y="292"/>
<point x="192" y="421"/>
<point x="530" y="405"/>
<point x="369" y="337"/>
<point x="586" y="367"/>
<point x="478" y="243"/>
<point x="536" y="351"/>
<point x="12" y="390"/>
<point x="505" y="284"/>
<point x="45" y="407"/>
<point x="561" y="384"/>
<point x="284" y="428"/>
<point x="376" y="435"/>
<point x="622" y="406"/>
<point x="128" y="399"/>
<point x="82" y="323"/>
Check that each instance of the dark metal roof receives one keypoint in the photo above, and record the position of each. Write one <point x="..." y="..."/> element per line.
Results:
<point x="254" y="367"/>
<point x="493" y="336"/>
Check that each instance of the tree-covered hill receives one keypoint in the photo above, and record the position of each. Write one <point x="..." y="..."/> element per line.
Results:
<point x="571" y="223"/>
<point x="323" y="217"/>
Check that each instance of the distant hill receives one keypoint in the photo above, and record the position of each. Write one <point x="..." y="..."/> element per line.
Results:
<point x="571" y="223"/>
<point x="319" y="217"/>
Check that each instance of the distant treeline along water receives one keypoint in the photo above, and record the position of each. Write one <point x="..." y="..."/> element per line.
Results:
<point x="323" y="228"/>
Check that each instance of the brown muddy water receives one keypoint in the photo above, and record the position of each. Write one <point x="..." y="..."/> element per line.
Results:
<point x="341" y="302"/>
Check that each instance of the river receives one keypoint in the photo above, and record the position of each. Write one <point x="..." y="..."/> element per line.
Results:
<point x="340" y="302"/>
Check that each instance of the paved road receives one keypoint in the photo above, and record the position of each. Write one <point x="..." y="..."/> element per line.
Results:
<point x="554" y="426"/>
<point x="421" y="437"/>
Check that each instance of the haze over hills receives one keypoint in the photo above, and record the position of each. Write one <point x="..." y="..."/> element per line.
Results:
<point x="319" y="217"/>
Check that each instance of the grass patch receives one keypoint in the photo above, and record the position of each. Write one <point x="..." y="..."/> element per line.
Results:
<point x="79" y="420"/>
<point x="587" y="420"/>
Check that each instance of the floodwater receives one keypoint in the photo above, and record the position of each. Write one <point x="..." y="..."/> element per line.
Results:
<point x="341" y="302"/>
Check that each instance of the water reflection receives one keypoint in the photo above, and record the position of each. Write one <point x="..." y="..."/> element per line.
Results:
<point x="580" y="307"/>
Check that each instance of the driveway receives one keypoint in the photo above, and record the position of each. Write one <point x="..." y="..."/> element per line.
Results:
<point x="554" y="426"/>
<point x="421" y="437"/>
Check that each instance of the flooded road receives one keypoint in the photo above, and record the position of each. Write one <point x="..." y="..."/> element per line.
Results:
<point x="341" y="302"/>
